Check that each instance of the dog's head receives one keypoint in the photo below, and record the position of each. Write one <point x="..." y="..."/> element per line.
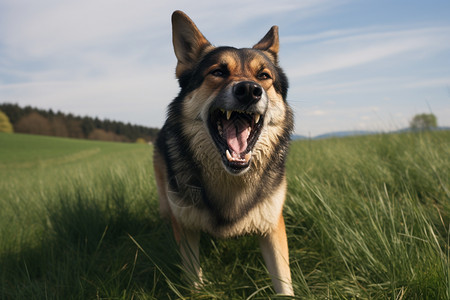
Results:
<point x="238" y="94"/>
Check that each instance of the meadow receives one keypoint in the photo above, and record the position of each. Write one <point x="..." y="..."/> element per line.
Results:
<point x="367" y="218"/>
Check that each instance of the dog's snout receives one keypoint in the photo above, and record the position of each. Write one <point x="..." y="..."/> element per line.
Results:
<point x="247" y="92"/>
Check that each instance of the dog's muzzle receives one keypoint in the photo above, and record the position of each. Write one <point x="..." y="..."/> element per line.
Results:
<point x="235" y="124"/>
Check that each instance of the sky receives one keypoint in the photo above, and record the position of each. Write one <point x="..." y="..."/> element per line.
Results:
<point x="352" y="65"/>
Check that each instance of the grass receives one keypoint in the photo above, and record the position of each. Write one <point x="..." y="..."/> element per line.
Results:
<point x="367" y="218"/>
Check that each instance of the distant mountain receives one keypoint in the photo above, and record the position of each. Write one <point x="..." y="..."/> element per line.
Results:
<point x="413" y="130"/>
<point x="344" y="134"/>
<point x="298" y="137"/>
<point x="339" y="134"/>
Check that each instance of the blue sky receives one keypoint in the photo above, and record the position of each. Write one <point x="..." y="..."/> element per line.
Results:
<point x="352" y="65"/>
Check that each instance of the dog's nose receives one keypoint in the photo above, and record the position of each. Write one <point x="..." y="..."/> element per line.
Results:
<point x="247" y="92"/>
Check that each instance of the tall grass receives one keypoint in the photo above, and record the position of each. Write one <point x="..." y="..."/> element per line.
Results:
<point x="370" y="216"/>
<point x="66" y="224"/>
<point x="367" y="218"/>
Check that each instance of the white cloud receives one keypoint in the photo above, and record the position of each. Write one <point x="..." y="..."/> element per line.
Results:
<point x="107" y="57"/>
<point x="336" y="87"/>
<point x="141" y="98"/>
<point x="46" y="27"/>
<point x="113" y="58"/>
<point x="340" y="111"/>
<point x="317" y="112"/>
<point x="345" y="49"/>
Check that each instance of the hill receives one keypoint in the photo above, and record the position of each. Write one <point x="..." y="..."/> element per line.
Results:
<point x="366" y="217"/>
<point x="33" y="120"/>
<point x="344" y="134"/>
<point x="340" y="134"/>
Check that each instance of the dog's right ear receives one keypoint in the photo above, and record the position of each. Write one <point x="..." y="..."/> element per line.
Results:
<point x="188" y="42"/>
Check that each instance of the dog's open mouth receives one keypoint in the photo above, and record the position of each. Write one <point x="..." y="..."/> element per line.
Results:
<point x="235" y="134"/>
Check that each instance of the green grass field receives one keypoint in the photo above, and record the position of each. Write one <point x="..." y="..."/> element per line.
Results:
<point x="367" y="218"/>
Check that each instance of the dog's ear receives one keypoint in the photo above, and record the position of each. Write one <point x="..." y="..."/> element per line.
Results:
<point x="270" y="43"/>
<point x="188" y="42"/>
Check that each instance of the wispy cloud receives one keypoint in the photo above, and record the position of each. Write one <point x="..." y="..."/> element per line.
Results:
<point x="50" y="26"/>
<point x="47" y="27"/>
<point x="335" y="50"/>
<point x="114" y="59"/>
<point x="338" y="87"/>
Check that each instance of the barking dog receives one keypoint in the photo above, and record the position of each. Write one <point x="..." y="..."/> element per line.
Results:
<point x="220" y="157"/>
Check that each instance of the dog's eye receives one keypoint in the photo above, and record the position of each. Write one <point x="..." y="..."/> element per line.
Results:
<point x="264" y="76"/>
<point x="217" y="73"/>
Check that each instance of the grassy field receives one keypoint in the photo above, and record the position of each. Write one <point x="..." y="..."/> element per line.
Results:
<point x="367" y="218"/>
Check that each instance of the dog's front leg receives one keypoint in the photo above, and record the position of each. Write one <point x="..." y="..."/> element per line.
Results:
<point x="189" y="243"/>
<point x="275" y="251"/>
<point x="189" y="248"/>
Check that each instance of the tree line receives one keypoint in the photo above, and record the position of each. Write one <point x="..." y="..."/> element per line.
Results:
<point x="33" y="120"/>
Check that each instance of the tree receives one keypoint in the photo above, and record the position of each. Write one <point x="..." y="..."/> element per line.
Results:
<point x="5" y="124"/>
<point x="423" y="122"/>
<point x="34" y="123"/>
<point x="59" y="127"/>
<point x="74" y="127"/>
<point x="13" y="111"/>
<point x="141" y="141"/>
<point x="99" y="135"/>
<point x="87" y="125"/>
<point x="60" y="124"/>
<point x="102" y="135"/>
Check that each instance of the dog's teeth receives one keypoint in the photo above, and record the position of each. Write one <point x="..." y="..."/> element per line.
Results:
<point x="229" y="157"/>
<point x="248" y="156"/>
<point x="228" y="114"/>
<point x="257" y="116"/>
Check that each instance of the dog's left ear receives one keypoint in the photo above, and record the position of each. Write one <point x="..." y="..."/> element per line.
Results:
<point x="270" y="43"/>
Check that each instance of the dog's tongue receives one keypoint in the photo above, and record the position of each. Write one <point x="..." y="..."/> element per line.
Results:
<point x="236" y="134"/>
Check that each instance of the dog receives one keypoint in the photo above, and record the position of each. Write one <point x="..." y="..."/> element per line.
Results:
<point x="219" y="159"/>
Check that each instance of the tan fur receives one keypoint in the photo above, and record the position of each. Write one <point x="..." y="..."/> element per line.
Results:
<point x="275" y="251"/>
<point x="161" y="184"/>
<point x="262" y="219"/>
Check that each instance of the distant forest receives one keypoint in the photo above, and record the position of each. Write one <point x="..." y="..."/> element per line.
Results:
<point x="32" y="120"/>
